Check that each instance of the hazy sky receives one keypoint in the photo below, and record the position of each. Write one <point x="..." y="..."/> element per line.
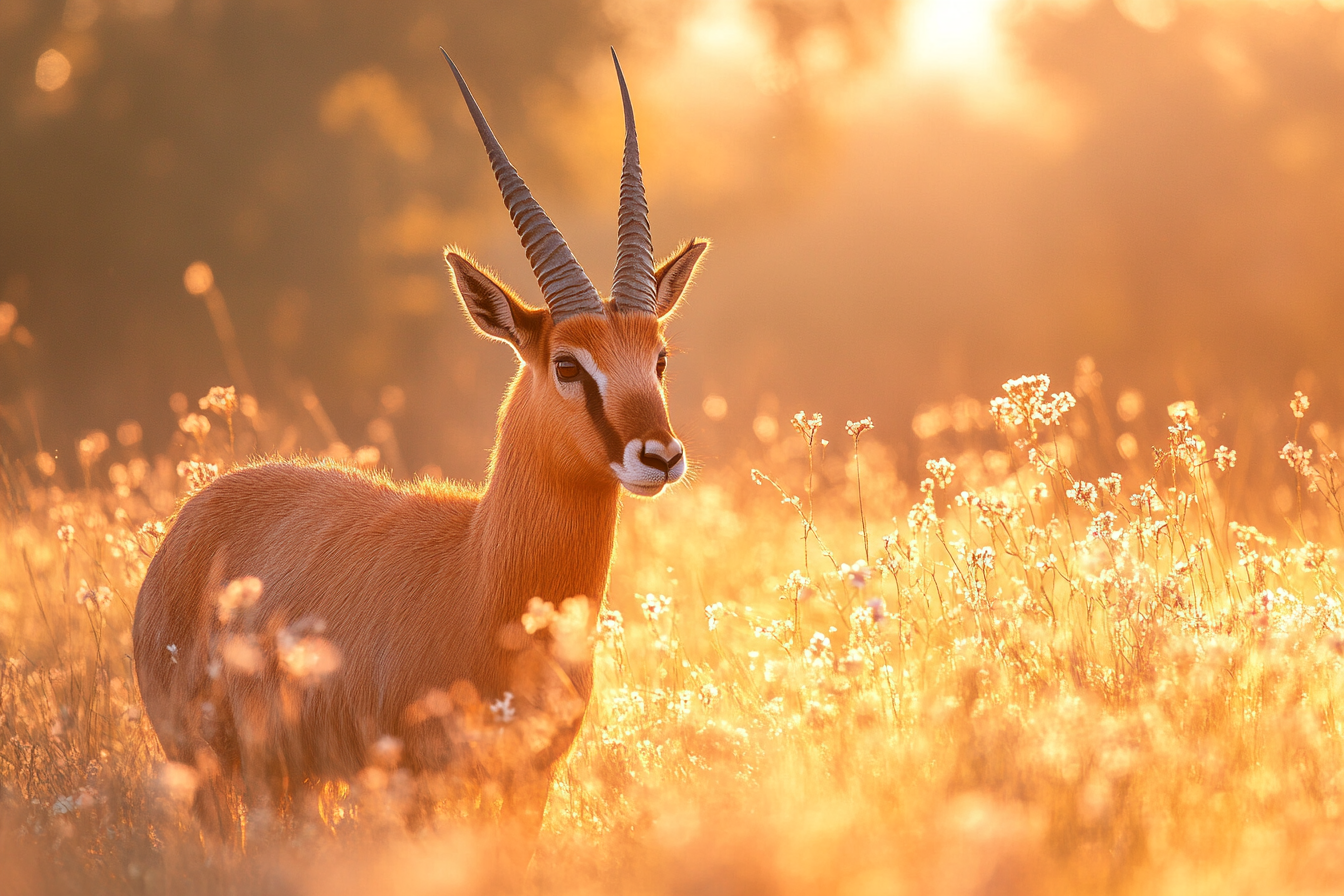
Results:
<point x="908" y="200"/>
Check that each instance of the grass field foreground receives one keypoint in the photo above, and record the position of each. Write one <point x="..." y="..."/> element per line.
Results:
<point x="1024" y="672"/>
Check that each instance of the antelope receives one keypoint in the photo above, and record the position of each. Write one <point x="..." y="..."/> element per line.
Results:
<point x="303" y="622"/>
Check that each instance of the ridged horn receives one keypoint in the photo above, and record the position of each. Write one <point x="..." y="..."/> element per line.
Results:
<point x="633" y="288"/>
<point x="564" y="285"/>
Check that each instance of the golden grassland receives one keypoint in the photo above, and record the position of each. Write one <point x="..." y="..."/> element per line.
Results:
<point x="1025" y="673"/>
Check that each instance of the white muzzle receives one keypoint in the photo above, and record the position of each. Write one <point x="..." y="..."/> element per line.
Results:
<point x="650" y="465"/>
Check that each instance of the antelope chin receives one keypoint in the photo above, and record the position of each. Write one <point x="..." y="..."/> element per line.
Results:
<point x="644" y="489"/>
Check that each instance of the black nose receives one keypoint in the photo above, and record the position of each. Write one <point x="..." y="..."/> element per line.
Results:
<point x="657" y="462"/>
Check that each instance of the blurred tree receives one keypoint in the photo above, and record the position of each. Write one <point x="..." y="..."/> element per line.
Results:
<point x="312" y="153"/>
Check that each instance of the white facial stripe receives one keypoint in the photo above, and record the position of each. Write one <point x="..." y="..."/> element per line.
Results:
<point x="589" y="365"/>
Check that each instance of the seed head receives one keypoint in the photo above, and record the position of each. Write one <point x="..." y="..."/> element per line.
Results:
<point x="1297" y="457"/>
<point x="713" y="613"/>
<point x="857" y="428"/>
<point x="1299" y="405"/>
<point x="223" y="400"/>
<point x="942" y="470"/>
<point x="195" y="425"/>
<point x="856" y="574"/>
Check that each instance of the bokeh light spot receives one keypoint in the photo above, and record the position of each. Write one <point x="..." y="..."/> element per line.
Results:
<point x="53" y="70"/>
<point x="129" y="433"/>
<point x="1129" y="405"/>
<point x="766" y="428"/>
<point x="198" y="278"/>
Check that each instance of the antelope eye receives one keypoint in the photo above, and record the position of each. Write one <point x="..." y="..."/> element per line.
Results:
<point x="567" y="369"/>
<point x="662" y="364"/>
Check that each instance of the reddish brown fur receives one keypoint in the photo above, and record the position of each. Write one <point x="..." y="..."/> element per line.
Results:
<point x="419" y="586"/>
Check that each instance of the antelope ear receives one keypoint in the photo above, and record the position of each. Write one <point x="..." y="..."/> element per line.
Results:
<point x="494" y="309"/>
<point x="675" y="274"/>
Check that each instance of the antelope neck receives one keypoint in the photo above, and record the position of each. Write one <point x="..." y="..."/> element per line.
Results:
<point x="541" y="532"/>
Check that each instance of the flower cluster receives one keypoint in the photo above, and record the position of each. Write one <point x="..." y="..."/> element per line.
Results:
<point x="1026" y="403"/>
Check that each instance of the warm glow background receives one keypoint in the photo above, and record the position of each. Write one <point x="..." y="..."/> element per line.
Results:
<point x="910" y="201"/>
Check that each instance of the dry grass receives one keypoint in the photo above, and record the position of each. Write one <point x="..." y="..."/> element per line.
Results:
<point x="1038" y="681"/>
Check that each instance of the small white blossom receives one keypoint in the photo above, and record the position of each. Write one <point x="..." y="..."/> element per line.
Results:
<point x="503" y="709"/>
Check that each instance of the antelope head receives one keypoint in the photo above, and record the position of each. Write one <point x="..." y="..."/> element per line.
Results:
<point x="592" y="368"/>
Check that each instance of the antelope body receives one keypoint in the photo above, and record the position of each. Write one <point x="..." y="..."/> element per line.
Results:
<point x="299" y="617"/>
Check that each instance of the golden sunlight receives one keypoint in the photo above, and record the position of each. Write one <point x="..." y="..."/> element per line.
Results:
<point x="976" y="524"/>
<point x="956" y="37"/>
